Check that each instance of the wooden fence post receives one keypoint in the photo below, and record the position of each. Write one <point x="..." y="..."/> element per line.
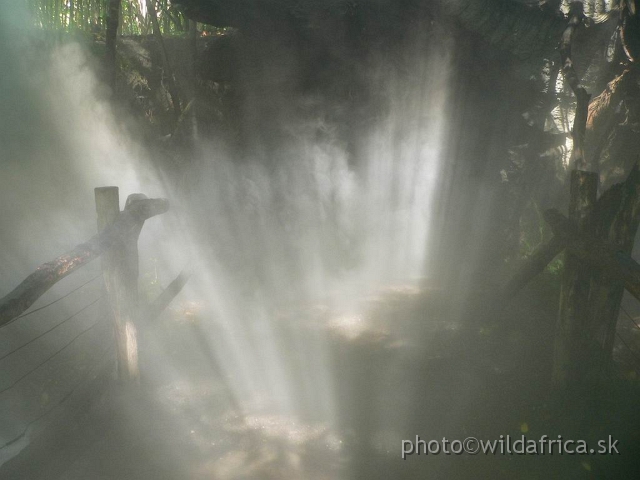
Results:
<point x="617" y="221"/>
<point x="120" y="272"/>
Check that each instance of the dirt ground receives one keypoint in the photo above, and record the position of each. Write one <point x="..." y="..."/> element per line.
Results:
<point x="401" y="369"/>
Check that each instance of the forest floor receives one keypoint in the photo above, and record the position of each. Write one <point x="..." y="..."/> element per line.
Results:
<point x="402" y="370"/>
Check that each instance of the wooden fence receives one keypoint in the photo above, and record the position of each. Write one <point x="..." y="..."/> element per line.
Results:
<point x="117" y="243"/>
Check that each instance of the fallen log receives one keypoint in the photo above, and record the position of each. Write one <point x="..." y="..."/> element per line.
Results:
<point x="48" y="274"/>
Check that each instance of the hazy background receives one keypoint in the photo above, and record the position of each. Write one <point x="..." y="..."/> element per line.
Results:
<point x="319" y="213"/>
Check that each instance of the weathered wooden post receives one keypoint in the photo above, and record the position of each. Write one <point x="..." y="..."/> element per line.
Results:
<point x="571" y="330"/>
<point x="115" y="226"/>
<point x="616" y="223"/>
<point x="120" y="271"/>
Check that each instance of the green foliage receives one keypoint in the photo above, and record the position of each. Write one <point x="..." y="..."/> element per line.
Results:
<point x="89" y="16"/>
<point x="555" y="267"/>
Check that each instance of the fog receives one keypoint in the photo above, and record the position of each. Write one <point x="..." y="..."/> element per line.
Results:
<point x="334" y="257"/>
<point x="265" y="238"/>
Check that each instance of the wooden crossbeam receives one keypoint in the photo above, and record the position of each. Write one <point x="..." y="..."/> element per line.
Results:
<point x="617" y="265"/>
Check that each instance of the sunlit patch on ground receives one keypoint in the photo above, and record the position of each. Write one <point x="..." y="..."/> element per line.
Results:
<point x="232" y="446"/>
<point x="225" y="443"/>
<point x="182" y="393"/>
<point x="400" y="290"/>
<point x="188" y="311"/>
<point x="257" y="442"/>
<point x="275" y="447"/>
<point x="279" y="427"/>
<point x="348" y="326"/>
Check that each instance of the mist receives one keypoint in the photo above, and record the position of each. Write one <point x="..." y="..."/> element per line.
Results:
<point x="348" y="194"/>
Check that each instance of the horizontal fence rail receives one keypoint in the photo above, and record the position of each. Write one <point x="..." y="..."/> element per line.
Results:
<point x="116" y="241"/>
<point x="48" y="274"/>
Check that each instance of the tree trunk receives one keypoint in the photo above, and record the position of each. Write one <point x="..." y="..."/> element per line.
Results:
<point x="120" y="271"/>
<point x="592" y="291"/>
<point x="171" y="80"/>
<point x="617" y="217"/>
<point x="113" y="20"/>
<point x="569" y="351"/>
